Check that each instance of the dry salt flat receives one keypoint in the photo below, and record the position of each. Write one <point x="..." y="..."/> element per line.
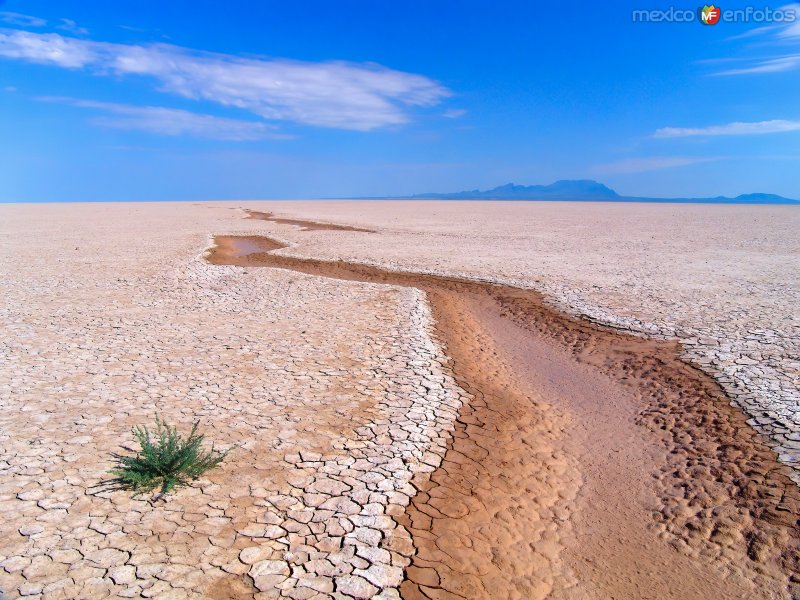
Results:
<point x="724" y="280"/>
<point x="334" y="393"/>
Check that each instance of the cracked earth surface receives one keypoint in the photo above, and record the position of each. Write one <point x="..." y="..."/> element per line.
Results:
<point x="371" y="464"/>
<point x="723" y="280"/>
<point x="334" y="392"/>
<point x="581" y="446"/>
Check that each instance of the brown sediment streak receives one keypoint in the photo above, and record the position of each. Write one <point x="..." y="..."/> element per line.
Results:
<point x="303" y="224"/>
<point x="590" y="464"/>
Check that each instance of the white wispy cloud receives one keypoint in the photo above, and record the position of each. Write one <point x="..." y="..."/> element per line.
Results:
<point x="172" y="121"/>
<point x="774" y="64"/>
<point x="20" y="20"/>
<point x="454" y="113"/>
<point x="72" y="27"/>
<point x="359" y="96"/>
<point x="787" y="27"/>
<point x="45" y="48"/>
<point x="751" y="33"/>
<point x="792" y="29"/>
<point x="777" y="34"/>
<point x="650" y="163"/>
<point x="736" y="128"/>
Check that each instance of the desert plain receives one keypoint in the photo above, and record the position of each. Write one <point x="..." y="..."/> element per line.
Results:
<point x="426" y="399"/>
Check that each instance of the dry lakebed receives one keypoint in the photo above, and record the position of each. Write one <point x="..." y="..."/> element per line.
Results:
<point x="428" y="400"/>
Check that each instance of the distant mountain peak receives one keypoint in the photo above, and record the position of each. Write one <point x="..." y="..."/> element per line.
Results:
<point x="589" y="189"/>
<point x="563" y="189"/>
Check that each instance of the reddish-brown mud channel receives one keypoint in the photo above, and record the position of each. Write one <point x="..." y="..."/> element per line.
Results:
<point x="590" y="464"/>
<point x="303" y="224"/>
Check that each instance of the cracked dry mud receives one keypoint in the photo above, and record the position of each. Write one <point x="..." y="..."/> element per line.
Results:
<point x="723" y="280"/>
<point x="538" y="456"/>
<point x="334" y="392"/>
<point x="548" y="489"/>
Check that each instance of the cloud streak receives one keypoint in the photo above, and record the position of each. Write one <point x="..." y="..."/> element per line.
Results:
<point x="172" y="122"/>
<point x="454" y="113"/>
<point x="651" y="163"/>
<point x="72" y="27"/>
<point x="736" y="128"/>
<point x="775" y="64"/>
<point x="780" y="33"/>
<point x="20" y="20"/>
<point x="337" y="94"/>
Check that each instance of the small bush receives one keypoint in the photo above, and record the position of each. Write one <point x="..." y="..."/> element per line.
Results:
<point x="166" y="461"/>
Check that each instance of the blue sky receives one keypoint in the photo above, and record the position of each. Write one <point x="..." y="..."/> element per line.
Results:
<point x="183" y="100"/>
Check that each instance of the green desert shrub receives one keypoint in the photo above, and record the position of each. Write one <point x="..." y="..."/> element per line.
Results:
<point x="165" y="460"/>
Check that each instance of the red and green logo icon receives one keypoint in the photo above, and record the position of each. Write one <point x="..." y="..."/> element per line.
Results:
<point x="709" y="15"/>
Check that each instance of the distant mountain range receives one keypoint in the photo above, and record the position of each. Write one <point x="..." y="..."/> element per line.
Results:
<point x="588" y="190"/>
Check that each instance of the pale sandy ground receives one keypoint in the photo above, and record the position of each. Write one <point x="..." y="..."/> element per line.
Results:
<point x="109" y="315"/>
<point x="725" y="280"/>
<point x="335" y="390"/>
